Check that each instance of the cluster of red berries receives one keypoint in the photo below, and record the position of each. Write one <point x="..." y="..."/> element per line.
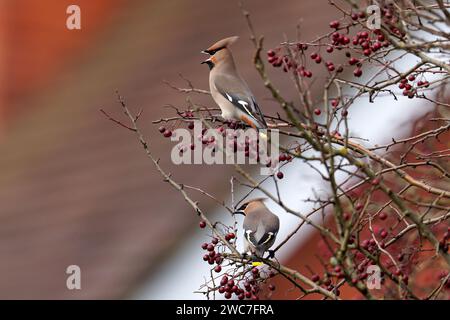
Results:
<point x="407" y="84"/>
<point x="167" y="133"/>
<point x="392" y="20"/>
<point x="327" y="282"/>
<point x="212" y="256"/>
<point x="366" y="42"/>
<point x="248" y="288"/>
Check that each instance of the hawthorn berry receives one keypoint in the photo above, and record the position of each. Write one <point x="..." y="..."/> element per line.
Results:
<point x="334" y="24"/>
<point x="202" y="224"/>
<point x="167" y="133"/>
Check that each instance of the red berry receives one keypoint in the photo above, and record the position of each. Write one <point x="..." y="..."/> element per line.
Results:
<point x="210" y="248"/>
<point x="161" y="129"/>
<point x="334" y="24"/>
<point x="191" y="125"/>
<point x="353" y="61"/>
<point x="317" y="112"/>
<point x="365" y="244"/>
<point x="383" y="234"/>
<point x="227" y="295"/>
<point x="314" y="55"/>
<point x="357" y="72"/>
<point x="411" y="78"/>
<point x="271" y="53"/>
<point x="202" y="224"/>
<point x="315" y="278"/>
<point x="318" y="59"/>
<point x="204" y="246"/>
<point x="367" y="52"/>
<point x="218" y="269"/>
<point x="345" y="40"/>
<point x="214" y="240"/>
<point x="167" y="133"/>
<point x="280" y="175"/>
<point x="330" y="49"/>
<point x="382" y="216"/>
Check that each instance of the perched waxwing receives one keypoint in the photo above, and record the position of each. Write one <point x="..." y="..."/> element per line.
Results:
<point x="228" y="89"/>
<point x="260" y="226"/>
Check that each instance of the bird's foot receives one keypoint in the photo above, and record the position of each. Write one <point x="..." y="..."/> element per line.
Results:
<point x="271" y="254"/>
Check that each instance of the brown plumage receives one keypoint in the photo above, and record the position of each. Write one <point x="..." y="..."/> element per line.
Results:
<point x="228" y="89"/>
<point x="260" y="226"/>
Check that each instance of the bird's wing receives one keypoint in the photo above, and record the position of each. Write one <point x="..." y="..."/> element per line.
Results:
<point x="256" y="232"/>
<point x="235" y="90"/>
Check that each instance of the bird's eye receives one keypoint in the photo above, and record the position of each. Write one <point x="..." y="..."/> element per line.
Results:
<point x="213" y="52"/>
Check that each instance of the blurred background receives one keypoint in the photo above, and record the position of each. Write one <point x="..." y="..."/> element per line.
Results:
<point x="76" y="189"/>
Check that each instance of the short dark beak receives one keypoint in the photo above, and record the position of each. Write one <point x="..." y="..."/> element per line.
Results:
<point x="204" y="52"/>
<point x="239" y="212"/>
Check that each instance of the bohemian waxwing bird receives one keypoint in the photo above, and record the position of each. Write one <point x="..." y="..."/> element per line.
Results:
<point x="228" y="89"/>
<point x="260" y="227"/>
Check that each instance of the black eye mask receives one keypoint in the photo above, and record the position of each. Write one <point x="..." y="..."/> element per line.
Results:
<point x="242" y="208"/>
<point x="213" y="52"/>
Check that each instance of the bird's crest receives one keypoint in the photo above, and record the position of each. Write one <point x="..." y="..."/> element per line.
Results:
<point x="219" y="45"/>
